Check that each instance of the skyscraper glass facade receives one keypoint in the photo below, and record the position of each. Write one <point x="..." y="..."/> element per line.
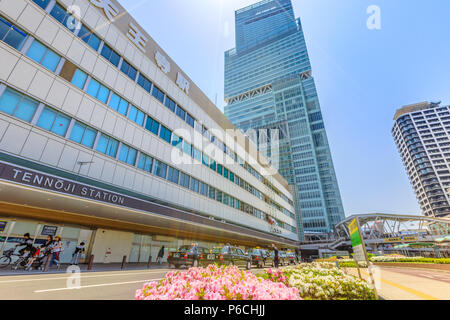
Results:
<point x="268" y="85"/>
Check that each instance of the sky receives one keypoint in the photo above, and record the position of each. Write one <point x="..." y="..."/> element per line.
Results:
<point x="362" y="76"/>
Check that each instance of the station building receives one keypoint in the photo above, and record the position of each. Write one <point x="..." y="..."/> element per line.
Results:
<point x="104" y="139"/>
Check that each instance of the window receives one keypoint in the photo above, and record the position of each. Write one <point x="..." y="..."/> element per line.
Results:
<point x="181" y="113"/>
<point x="169" y="103"/>
<point x="119" y="104"/>
<point x="144" y="83"/>
<point x="53" y="121"/>
<point x="226" y="199"/>
<point x="316" y="116"/>
<point x="160" y="169"/>
<point x="197" y="155"/>
<point x="212" y="193"/>
<point x="42" y="3"/>
<point x="226" y="173"/>
<point x="11" y="34"/>
<point x="158" y="94"/>
<point x="90" y="38"/>
<point x="98" y="91"/>
<point x="184" y="180"/>
<point x="195" y="185"/>
<point x="220" y="169"/>
<point x="187" y="148"/>
<point x="128" y="155"/>
<point x="79" y="79"/>
<point x="190" y="121"/>
<point x="165" y="134"/>
<point x="83" y="134"/>
<point x="205" y="160"/>
<point x="66" y="19"/>
<point x="212" y="165"/>
<point x="231" y="176"/>
<point x="145" y="163"/>
<point x="177" y="142"/>
<point x="204" y="189"/>
<point x="136" y="115"/>
<point x="108" y="145"/>
<point x="17" y="105"/>
<point x="318" y="126"/>
<point x="219" y="196"/>
<point x="43" y="56"/>
<point x="152" y="126"/>
<point x="173" y="175"/>
<point x="128" y="70"/>
<point x="110" y="55"/>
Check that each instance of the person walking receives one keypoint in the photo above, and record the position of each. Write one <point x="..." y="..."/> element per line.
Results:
<point x="160" y="255"/>
<point x="276" y="257"/>
<point x="79" y="251"/>
<point x="56" y="248"/>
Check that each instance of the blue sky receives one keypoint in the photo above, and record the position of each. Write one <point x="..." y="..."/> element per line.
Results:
<point x="362" y="76"/>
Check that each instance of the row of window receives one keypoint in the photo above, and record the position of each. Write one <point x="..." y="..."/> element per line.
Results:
<point x="60" y="14"/>
<point x="50" y="60"/>
<point x="25" y="108"/>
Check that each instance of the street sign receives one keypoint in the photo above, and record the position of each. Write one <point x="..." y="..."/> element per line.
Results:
<point x="49" y="231"/>
<point x="359" y="249"/>
<point x="357" y="244"/>
<point x="3" y="225"/>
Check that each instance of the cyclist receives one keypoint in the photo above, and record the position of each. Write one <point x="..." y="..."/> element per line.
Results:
<point x="28" y="243"/>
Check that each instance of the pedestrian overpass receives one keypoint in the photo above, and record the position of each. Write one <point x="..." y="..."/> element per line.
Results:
<point x="387" y="231"/>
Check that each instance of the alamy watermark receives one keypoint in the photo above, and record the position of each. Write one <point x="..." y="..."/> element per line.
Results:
<point x="374" y="20"/>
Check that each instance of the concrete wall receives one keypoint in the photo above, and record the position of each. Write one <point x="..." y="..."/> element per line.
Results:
<point x="118" y="243"/>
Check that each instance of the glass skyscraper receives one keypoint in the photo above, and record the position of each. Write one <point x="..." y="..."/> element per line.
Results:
<point x="269" y="85"/>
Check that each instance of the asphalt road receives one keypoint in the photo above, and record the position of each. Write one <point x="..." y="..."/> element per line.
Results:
<point x="397" y="283"/>
<point x="113" y="285"/>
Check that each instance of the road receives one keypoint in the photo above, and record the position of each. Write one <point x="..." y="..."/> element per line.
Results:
<point x="93" y="286"/>
<point x="399" y="283"/>
<point x="396" y="284"/>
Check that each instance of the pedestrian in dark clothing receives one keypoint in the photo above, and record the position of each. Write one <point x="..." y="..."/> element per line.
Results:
<point x="276" y="257"/>
<point x="160" y="255"/>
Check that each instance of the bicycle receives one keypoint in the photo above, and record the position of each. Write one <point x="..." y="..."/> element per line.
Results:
<point x="6" y="259"/>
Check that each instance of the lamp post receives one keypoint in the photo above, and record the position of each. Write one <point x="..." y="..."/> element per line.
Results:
<point x="81" y="164"/>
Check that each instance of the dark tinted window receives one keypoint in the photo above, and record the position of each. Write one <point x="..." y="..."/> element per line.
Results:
<point x="42" y="3"/>
<point x="110" y="55"/>
<point x="128" y="70"/>
<point x="158" y="94"/>
<point x="144" y="83"/>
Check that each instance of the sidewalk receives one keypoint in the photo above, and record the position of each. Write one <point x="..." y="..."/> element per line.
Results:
<point x="409" y="283"/>
<point x="99" y="267"/>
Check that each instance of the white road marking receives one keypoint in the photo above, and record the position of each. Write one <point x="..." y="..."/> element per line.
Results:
<point x="97" y="285"/>
<point x="67" y="275"/>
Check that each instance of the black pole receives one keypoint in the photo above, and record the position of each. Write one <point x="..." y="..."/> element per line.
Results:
<point x="124" y="260"/>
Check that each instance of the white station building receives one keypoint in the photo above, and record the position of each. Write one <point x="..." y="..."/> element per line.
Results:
<point x="104" y="139"/>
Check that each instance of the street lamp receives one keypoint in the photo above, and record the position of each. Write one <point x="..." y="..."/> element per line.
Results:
<point x="81" y="164"/>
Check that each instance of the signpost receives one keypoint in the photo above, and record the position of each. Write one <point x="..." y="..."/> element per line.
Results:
<point x="359" y="249"/>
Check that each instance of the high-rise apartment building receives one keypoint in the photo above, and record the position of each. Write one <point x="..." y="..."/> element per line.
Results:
<point x="422" y="134"/>
<point x="269" y="85"/>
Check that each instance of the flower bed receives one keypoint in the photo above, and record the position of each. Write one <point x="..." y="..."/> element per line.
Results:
<point x="322" y="281"/>
<point x="214" y="283"/>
